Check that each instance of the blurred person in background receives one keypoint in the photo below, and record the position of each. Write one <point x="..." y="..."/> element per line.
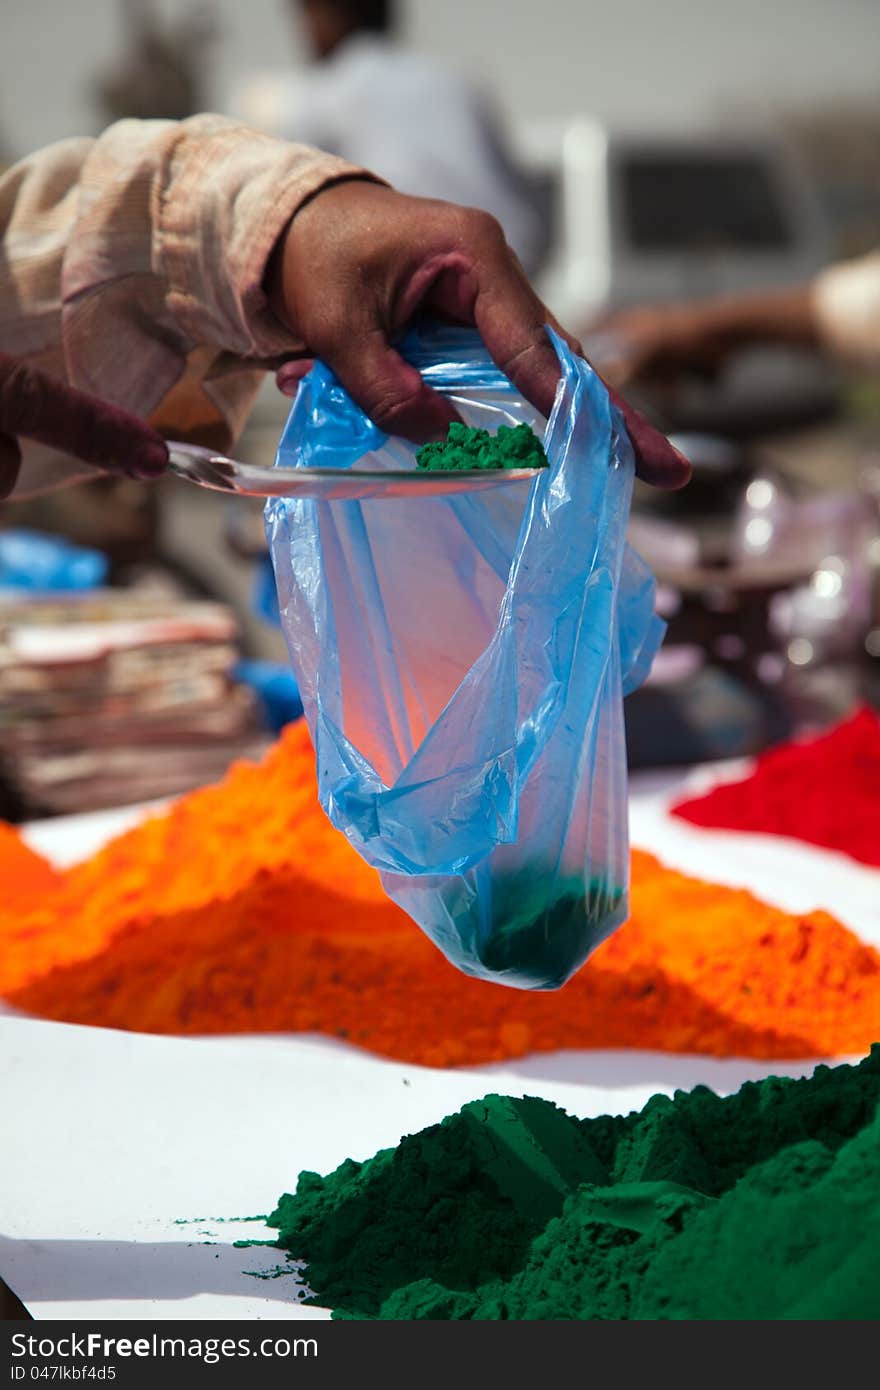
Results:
<point x="838" y="312"/>
<point x="417" y="123"/>
<point x="164" y="266"/>
<point x="160" y="72"/>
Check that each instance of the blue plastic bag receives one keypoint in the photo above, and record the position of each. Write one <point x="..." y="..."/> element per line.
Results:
<point x="462" y="662"/>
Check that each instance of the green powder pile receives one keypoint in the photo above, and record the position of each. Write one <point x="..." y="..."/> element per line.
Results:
<point x="514" y="446"/>
<point x="765" y="1204"/>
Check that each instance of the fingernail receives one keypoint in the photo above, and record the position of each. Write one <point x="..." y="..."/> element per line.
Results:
<point x="151" y="461"/>
<point x="290" y="374"/>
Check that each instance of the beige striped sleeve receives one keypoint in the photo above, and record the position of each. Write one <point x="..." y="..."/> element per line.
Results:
<point x="133" y="264"/>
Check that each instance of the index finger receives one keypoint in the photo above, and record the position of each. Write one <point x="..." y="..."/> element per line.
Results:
<point x="512" y="320"/>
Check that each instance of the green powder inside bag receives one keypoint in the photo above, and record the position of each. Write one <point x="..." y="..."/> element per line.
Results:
<point x="514" y="446"/>
<point x="765" y="1204"/>
<point x="539" y="935"/>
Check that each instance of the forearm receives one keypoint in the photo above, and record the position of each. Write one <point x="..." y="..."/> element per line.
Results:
<point x="778" y="316"/>
<point x="839" y="310"/>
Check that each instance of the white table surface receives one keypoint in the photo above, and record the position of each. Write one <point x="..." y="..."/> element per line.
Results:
<point x="114" y="1139"/>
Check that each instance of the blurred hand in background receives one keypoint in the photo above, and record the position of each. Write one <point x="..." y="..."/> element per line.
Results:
<point x="839" y="312"/>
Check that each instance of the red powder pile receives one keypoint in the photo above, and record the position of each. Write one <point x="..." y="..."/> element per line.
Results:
<point x="825" y="791"/>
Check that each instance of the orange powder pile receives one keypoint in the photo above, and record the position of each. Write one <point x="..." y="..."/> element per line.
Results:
<point x="242" y="910"/>
<point x="25" y="877"/>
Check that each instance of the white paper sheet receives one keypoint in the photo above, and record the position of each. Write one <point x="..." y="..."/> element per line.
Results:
<point x="116" y="1137"/>
<point x="113" y="1138"/>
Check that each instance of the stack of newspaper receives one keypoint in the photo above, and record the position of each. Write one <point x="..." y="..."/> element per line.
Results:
<point x="114" y="697"/>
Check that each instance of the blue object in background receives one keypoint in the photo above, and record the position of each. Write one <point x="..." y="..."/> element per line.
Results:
<point x="276" y="688"/>
<point x="40" y="563"/>
<point x="462" y="662"/>
<point x="265" y="596"/>
<point x="274" y="683"/>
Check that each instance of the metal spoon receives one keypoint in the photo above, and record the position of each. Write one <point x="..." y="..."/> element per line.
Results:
<point x="222" y="474"/>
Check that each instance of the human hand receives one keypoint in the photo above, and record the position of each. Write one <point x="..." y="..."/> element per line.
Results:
<point x="359" y="260"/>
<point x="660" y="340"/>
<point x="34" y="405"/>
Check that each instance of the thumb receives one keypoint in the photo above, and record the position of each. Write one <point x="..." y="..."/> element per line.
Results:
<point x="10" y="461"/>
